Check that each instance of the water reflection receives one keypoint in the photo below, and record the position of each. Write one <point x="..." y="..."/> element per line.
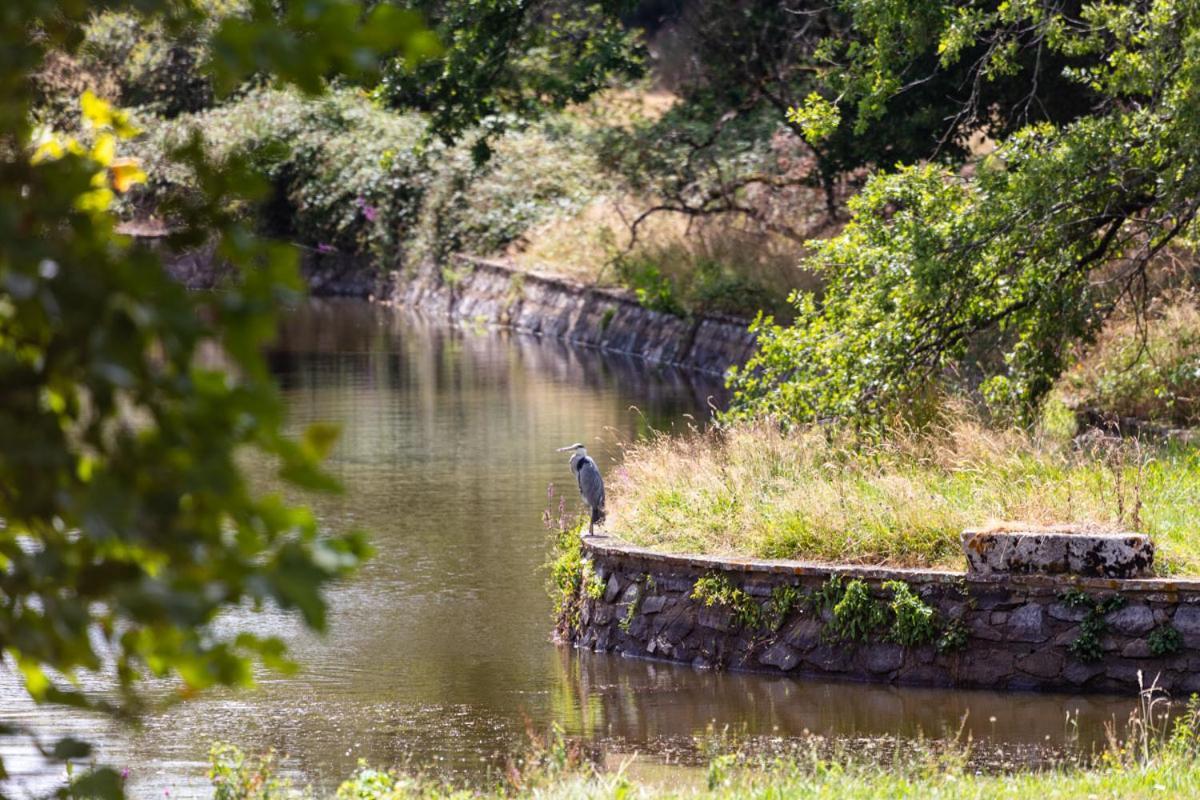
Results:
<point x="438" y="653"/>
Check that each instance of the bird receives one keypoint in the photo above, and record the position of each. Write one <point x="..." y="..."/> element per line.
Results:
<point x="591" y="485"/>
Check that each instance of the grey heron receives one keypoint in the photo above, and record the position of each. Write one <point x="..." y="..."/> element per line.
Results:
<point x="591" y="485"/>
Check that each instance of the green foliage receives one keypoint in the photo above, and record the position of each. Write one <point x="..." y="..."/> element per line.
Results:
<point x="571" y="575"/>
<point x="954" y="638"/>
<point x="906" y="619"/>
<point x="593" y="587"/>
<point x="784" y="598"/>
<point x="1147" y="368"/>
<point x="1165" y="640"/>
<point x="695" y="285"/>
<point x="653" y="289"/>
<point x="129" y="525"/>
<point x="509" y="61"/>
<point x="351" y="177"/>
<point x="914" y="622"/>
<point x="857" y="615"/>
<point x="715" y="589"/>
<point x="632" y="610"/>
<point x="1087" y="646"/>
<point x="991" y="272"/>
<point x="235" y="776"/>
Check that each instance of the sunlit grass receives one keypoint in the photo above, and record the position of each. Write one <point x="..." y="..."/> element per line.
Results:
<point x="816" y="494"/>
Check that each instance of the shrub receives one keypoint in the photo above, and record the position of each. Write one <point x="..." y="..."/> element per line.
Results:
<point x="356" y="178"/>
<point x="1148" y="369"/>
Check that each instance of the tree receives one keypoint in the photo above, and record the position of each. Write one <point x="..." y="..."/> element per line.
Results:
<point x="996" y="270"/>
<point x="511" y="60"/>
<point x="126" y="523"/>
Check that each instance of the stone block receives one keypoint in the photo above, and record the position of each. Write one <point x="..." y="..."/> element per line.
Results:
<point x="613" y="589"/>
<point x="985" y="667"/>
<point x="1138" y="648"/>
<point x="780" y="656"/>
<point x="1053" y="552"/>
<point x="1079" y="673"/>
<point x="602" y="614"/>
<point x="1132" y="620"/>
<point x="981" y="629"/>
<point x="1027" y="624"/>
<point x="829" y="658"/>
<point x="803" y="634"/>
<point x="1187" y="622"/>
<point x="653" y="604"/>
<point x="719" y="619"/>
<point x="1065" y="613"/>
<point x="630" y="594"/>
<point x="1046" y="663"/>
<point x="880" y="658"/>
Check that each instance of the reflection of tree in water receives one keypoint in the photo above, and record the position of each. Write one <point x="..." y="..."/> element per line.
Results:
<point x="350" y="336"/>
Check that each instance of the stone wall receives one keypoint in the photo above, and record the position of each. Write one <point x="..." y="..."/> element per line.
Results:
<point x="547" y="305"/>
<point x="493" y="293"/>
<point x="1015" y="632"/>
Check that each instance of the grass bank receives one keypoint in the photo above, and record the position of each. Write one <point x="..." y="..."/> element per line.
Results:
<point x="1151" y="760"/>
<point x="816" y="494"/>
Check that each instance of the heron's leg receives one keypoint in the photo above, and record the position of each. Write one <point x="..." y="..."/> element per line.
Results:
<point x="591" y="528"/>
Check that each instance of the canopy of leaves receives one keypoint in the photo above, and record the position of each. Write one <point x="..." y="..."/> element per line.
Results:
<point x="126" y="522"/>
<point x="512" y="59"/>
<point x="997" y="269"/>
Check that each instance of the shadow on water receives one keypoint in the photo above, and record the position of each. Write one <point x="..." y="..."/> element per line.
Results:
<point x="438" y="654"/>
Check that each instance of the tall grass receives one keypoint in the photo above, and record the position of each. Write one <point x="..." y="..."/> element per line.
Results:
<point x="1151" y="758"/>
<point x="1148" y="368"/>
<point x="819" y="494"/>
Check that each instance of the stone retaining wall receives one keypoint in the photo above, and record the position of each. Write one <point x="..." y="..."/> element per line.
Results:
<point x="1016" y="631"/>
<point x="547" y="305"/>
<point x="493" y="293"/>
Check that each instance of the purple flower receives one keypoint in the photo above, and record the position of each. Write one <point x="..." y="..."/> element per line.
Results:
<point x="326" y="248"/>
<point x="369" y="211"/>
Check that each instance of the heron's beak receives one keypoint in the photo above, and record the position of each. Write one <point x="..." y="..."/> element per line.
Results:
<point x="565" y="449"/>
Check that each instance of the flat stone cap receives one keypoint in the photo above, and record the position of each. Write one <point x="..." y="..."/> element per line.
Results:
<point x="1057" y="551"/>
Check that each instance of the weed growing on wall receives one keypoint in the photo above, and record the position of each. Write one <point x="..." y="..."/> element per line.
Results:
<point x="906" y="619"/>
<point x="856" y="615"/>
<point x="716" y="590"/>
<point x="1165" y="640"/>
<point x="914" y="622"/>
<point x="1087" y="646"/>
<point x="783" y="600"/>
<point x="571" y="575"/>
<point x="954" y="638"/>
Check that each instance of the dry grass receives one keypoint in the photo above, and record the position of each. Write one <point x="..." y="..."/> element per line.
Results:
<point x="1146" y="368"/>
<point x="583" y="246"/>
<point x="815" y="494"/>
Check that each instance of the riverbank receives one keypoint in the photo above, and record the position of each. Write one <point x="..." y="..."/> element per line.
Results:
<point x="490" y="292"/>
<point x="821" y="494"/>
<point x="1147" y="757"/>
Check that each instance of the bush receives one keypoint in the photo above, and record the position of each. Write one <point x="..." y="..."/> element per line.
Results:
<point x="134" y="63"/>
<point x="1148" y="369"/>
<point x="351" y="176"/>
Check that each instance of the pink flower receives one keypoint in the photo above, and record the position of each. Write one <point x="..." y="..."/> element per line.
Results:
<point x="369" y="211"/>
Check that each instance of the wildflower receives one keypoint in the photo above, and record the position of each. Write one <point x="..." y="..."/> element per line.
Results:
<point x="369" y="211"/>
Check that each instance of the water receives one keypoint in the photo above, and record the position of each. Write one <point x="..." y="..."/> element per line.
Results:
<point x="438" y="655"/>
